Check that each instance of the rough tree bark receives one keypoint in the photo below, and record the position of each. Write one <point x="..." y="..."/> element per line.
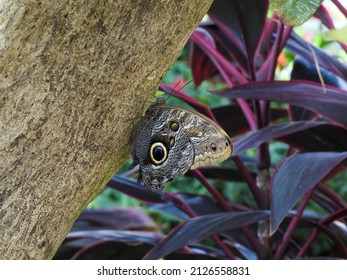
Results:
<point x="74" y="77"/>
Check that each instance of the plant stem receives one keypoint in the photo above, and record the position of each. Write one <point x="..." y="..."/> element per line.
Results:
<point x="341" y="7"/>
<point x="263" y="154"/>
<point x="227" y="70"/>
<point x="338" y="214"/>
<point x="331" y="194"/>
<point x="275" y="52"/>
<point x="292" y="226"/>
<point x="185" y="207"/>
<point x="217" y="196"/>
<point x="258" y="248"/>
<point x="222" y="245"/>
<point x="261" y="200"/>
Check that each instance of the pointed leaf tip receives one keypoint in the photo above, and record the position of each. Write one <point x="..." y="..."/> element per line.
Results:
<point x="296" y="175"/>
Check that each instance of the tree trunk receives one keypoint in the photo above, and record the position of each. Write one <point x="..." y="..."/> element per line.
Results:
<point x="74" y="78"/>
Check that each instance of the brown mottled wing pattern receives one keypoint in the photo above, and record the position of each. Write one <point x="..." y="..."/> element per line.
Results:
<point x="211" y="143"/>
<point x="196" y="142"/>
<point x="155" y="128"/>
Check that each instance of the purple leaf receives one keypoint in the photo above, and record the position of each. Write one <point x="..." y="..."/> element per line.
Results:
<point x="201" y="64"/>
<point x="337" y="200"/>
<point x="307" y="221"/>
<point x="266" y="63"/>
<point x="271" y="132"/>
<point x="203" y="205"/>
<point x="233" y="121"/>
<point x="122" y="245"/>
<point x="114" y="218"/>
<point x="322" y="138"/>
<point x="168" y="208"/>
<point x="323" y="14"/>
<point x="107" y="244"/>
<point x="223" y="65"/>
<point x="111" y="250"/>
<point x="296" y="175"/>
<point x="199" y="204"/>
<point x="331" y="104"/>
<point x="88" y="249"/>
<point x="325" y="202"/>
<point x="305" y="70"/>
<point x="201" y="227"/>
<point x="222" y="173"/>
<point x="117" y="235"/>
<point x="301" y="114"/>
<point x="137" y="191"/>
<point x="242" y="20"/>
<point x="297" y="45"/>
<point x="226" y="46"/>
<point x="223" y="114"/>
<point x="322" y="226"/>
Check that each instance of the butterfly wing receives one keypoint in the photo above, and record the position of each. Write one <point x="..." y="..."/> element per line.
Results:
<point x="172" y="140"/>
<point x="163" y="147"/>
<point x="211" y="143"/>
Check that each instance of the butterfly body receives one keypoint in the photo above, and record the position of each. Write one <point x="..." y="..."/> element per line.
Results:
<point x="171" y="140"/>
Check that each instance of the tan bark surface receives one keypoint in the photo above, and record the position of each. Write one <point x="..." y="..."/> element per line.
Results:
<point x="74" y="77"/>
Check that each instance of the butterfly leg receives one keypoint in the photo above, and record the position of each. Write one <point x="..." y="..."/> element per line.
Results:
<point x="133" y="165"/>
<point x="139" y="178"/>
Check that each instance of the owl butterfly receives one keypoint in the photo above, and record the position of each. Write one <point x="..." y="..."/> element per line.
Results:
<point x="171" y="140"/>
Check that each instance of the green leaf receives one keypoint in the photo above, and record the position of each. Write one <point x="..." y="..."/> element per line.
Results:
<point x="295" y="12"/>
<point x="337" y="34"/>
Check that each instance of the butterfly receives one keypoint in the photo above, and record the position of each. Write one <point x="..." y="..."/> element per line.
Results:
<point x="170" y="140"/>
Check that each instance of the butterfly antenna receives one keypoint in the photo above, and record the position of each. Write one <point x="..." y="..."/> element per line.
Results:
<point x="174" y="91"/>
<point x="187" y="83"/>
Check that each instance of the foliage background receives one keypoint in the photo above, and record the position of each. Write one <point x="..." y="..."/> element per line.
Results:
<point x="131" y="218"/>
